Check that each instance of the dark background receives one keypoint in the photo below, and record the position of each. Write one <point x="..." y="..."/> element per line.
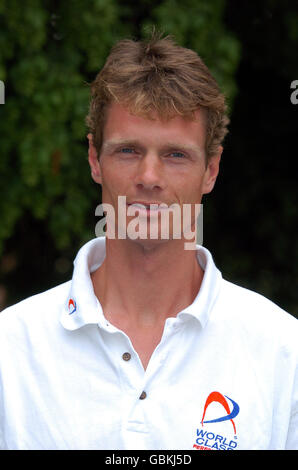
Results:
<point x="250" y="219"/>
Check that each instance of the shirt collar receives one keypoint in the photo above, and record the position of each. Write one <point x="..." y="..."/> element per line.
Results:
<point x="209" y="289"/>
<point x="82" y="306"/>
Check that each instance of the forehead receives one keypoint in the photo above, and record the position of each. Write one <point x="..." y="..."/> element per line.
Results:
<point x="122" y="124"/>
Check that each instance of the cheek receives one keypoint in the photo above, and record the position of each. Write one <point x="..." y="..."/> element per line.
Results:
<point x="114" y="182"/>
<point x="189" y="191"/>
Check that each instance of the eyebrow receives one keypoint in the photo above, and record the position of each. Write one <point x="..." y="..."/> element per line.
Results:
<point x="112" y="144"/>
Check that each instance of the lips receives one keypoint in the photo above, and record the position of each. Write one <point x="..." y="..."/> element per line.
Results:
<point x="148" y="208"/>
<point x="141" y="204"/>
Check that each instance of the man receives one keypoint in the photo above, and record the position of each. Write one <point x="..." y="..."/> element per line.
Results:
<point x="147" y="347"/>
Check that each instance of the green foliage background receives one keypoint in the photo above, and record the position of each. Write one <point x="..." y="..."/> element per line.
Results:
<point x="49" y="54"/>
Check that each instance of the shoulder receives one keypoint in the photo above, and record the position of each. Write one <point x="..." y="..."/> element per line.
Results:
<point x="36" y="309"/>
<point x="257" y="315"/>
<point x="257" y="304"/>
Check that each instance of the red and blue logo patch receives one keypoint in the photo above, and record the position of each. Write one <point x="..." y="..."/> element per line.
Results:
<point x="72" y="306"/>
<point x="231" y="414"/>
<point x="209" y="440"/>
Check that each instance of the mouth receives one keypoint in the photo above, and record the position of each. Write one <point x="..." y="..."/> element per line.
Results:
<point x="148" y="207"/>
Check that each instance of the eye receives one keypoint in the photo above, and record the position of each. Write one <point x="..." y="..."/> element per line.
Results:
<point x="177" y="154"/>
<point x="126" y="150"/>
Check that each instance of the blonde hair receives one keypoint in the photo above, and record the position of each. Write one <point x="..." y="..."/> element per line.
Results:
<point x="157" y="76"/>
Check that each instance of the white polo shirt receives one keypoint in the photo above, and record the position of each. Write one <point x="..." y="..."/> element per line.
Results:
<point x="223" y="377"/>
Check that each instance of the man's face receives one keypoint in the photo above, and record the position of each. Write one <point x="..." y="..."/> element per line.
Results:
<point x="152" y="161"/>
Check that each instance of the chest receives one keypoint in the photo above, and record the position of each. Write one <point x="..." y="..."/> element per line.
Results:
<point x="194" y="396"/>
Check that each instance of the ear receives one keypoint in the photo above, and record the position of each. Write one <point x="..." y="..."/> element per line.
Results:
<point x="212" y="171"/>
<point x="93" y="161"/>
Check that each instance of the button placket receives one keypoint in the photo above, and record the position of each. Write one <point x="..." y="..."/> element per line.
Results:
<point x="131" y="371"/>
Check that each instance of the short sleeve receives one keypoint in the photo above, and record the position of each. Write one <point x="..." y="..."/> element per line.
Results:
<point x="2" y="440"/>
<point x="292" y="438"/>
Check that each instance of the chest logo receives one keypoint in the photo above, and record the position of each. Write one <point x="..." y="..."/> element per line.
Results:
<point x="231" y="414"/>
<point x="207" y="439"/>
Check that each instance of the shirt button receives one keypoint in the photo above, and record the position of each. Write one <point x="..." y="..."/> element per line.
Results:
<point x="126" y="356"/>
<point x="143" y="396"/>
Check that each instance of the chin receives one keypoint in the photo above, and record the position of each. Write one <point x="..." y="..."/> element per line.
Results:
<point x="151" y="244"/>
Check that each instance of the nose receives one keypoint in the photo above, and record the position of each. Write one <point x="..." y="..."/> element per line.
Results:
<point x="149" y="173"/>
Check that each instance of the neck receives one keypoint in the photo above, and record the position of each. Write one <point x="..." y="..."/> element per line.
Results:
<point x="143" y="285"/>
